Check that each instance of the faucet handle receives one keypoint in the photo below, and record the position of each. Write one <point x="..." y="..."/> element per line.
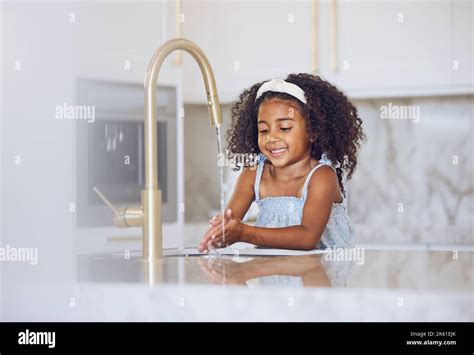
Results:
<point x="106" y="201"/>
<point x="123" y="217"/>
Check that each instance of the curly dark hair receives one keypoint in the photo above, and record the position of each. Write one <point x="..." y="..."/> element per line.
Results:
<point x="332" y="122"/>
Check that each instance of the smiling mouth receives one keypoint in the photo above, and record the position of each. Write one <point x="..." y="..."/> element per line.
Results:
<point x="278" y="152"/>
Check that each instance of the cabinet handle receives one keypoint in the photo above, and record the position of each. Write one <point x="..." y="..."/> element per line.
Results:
<point x="315" y="34"/>
<point x="333" y="39"/>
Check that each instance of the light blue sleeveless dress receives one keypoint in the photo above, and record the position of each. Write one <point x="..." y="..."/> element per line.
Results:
<point x="284" y="211"/>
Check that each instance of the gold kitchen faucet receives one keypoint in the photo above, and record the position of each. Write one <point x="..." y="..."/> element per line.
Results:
<point x="148" y="215"/>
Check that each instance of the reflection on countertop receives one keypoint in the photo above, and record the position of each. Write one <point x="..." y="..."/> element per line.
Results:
<point x="292" y="271"/>
<point x="386" y="269"/>
<point x="379" y="285"/>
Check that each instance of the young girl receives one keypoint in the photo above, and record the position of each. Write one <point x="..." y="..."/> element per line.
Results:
<point x="307" y="134"/>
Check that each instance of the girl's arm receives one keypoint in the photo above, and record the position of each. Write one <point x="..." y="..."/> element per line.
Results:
<point x="243" y="193"/>
<point x="322" y="189"/>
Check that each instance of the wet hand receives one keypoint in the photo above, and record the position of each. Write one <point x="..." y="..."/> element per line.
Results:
<point x="214" y="236"/>
<point x="214" y="225"/>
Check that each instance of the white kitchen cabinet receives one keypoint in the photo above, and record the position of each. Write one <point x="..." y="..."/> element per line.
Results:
<point x="245" y="42"/>
<point x="401" y="47"/>
<point x="116" y="41"/>
<point x="462" y="42"/>
<point x="390" y="48"/>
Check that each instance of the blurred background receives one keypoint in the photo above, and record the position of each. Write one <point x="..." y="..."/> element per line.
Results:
<point x="72" y="113"/>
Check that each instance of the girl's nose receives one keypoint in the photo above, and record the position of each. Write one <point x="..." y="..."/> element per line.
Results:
<point x="273" y="136"/>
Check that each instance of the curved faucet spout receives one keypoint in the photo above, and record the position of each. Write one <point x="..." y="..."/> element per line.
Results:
<point x="151" y="195"/>
<point x="150" y="99"/>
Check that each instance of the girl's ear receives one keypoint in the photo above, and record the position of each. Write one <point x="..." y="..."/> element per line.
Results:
<point x="312" y="138"/>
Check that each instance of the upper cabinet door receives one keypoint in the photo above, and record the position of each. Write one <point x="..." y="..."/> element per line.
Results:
<point x="400" y="47"/>
<point x="245" y="42"/>
<point x="462" y="41"/>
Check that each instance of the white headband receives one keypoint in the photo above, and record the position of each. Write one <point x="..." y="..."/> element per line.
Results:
<point x="280" y="85"/>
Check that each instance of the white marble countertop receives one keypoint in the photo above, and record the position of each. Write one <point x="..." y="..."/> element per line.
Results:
<point x="383" y="285"/>
<point x="133" y="302"/>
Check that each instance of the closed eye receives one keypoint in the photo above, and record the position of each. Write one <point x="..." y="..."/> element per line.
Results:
<point x="285" y="129"/>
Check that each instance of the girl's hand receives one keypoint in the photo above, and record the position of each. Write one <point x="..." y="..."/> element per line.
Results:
<point x="232" y="232"/>
<point x="214" y="224"/>
<point x="217" y="220"/>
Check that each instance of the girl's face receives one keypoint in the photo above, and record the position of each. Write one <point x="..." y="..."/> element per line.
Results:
<point x="282" y="135"/>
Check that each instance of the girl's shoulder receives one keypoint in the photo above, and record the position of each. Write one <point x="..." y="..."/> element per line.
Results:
<point x="249" y="173"/>
<point x="324" y="181"/>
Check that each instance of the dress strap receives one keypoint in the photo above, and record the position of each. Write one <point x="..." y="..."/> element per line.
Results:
<point x="258" y="176"/>
<point x="306" y="182"/>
